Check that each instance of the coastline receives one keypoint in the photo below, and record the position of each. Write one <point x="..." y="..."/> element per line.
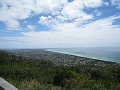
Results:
<point x="49" y="54"/>
<point x="60" y="58"/>
<point x="81" y="56"/>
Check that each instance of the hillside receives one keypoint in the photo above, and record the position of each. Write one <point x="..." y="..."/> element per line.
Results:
<point x="44" y="70"/>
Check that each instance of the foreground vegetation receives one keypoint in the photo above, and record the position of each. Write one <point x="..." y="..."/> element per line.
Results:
<point x="33" y="74"/>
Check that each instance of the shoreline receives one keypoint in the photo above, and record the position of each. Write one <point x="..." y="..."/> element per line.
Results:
<point x="81" y="56"/>
<point x="59" y="58"/>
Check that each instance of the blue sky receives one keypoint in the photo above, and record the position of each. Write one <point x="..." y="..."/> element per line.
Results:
<point x="59" y="23"/>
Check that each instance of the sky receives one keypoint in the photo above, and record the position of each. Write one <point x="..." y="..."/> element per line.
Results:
<point x="59" y="23"/>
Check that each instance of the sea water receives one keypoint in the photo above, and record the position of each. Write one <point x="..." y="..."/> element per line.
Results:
<point x="101" y="53"/>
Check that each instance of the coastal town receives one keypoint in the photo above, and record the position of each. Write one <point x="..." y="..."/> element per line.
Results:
<point x="61" y="59"/>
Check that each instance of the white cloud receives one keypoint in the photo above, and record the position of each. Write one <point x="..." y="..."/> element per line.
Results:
<point x="12" y="11"/>
<point x="47" y="20"/>
<point x="98" y="13"/>
<point x="101" y="24"/>
<point x="72" y="11"/>
<point x="92" y="3"/>
<point x="12" y="24"/>
<point x="116" y="3"/>
<point x="98" y="33"/>
<point x="31" y="27"/>
<point x="106" y="3"/>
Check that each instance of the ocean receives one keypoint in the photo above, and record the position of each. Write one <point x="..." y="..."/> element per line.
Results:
<point x="100" y="53"/>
